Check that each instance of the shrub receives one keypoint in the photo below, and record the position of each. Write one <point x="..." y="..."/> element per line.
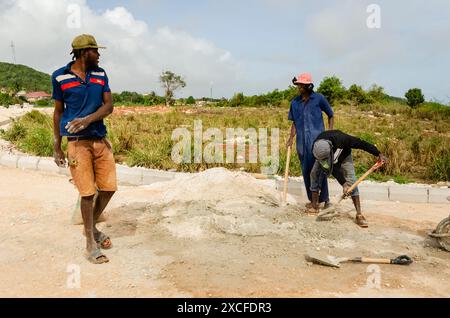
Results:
<point x="376" y="93"/>
<point x="190" y="100"/>
<point x="237" y="100"/>
<point x="357" y="94"/>
<point x="414" y="97"/>
<point x="332" y="89"/>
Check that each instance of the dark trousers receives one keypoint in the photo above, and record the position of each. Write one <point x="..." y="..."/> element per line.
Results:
<point x="307" y="161"/>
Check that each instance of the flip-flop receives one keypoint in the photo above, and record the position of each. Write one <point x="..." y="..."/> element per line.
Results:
<point x="311" y="211"/>
<point x="96" y="257"/>
<point x="361" y="221"/>
<point x="102" y="239"/>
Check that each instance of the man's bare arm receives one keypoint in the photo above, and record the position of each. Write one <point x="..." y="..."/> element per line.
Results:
<point x="330" y="123"/>
<point x="58" y="153"/>
<point x="105" y="110"/>
<point x="292" y="135"/>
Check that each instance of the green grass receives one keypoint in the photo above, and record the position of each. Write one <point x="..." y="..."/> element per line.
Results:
<point x="417" y="145"/>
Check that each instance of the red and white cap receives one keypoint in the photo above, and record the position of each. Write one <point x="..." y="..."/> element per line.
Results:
<point x="304" y="78"/>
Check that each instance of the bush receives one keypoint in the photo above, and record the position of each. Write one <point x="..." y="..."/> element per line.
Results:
<point x="357" y="94"/>
<point x="43" y="103"/>
<point x="332" y="89"/>
<point x="16" y="132"/>
<point x="39" y="142"/>
<point x="414" y="97"/>
<point x="7" y="100"/>
<point x="376" y="93"/>
<point x="190" y="100"/>
<point x="439" y="168"/>
<point x="237" y="100"/>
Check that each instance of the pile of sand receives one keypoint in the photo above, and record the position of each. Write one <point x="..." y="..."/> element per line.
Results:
<point x="219" y="200"/>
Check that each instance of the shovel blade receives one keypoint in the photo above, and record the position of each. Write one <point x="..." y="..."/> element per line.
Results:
<point x="322" y="259"/>
<point x="327" y="214"/>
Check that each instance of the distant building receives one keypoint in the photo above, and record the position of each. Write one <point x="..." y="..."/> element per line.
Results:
<point x="35" y="96"/>
<point x="201" y="103"/>
<point x="21" y="93"/>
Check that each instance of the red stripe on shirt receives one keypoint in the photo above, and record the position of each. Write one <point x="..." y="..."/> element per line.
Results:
<point x="97" y="81"/>
<point x="70" y="85"/>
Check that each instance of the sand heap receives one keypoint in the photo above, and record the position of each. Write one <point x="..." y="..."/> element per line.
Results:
<point x="218" y="200"/>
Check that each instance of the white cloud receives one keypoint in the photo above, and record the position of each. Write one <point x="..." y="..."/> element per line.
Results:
<point x="409" y="42"/>
<point x="135" y="54"/>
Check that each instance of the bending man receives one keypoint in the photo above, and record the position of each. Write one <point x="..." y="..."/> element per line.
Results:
<point x="333" y="153"/>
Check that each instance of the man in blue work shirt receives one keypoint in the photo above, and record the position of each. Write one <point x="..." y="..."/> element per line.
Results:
<point x="306" y="114"/>
<point x="82" y="99"/>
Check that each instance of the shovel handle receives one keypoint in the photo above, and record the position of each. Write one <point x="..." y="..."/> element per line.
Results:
<point x="375" y="260"/>
<point x="286" y="174"/>
<point x="376" y="166"/>
<point x="401" y="260"/>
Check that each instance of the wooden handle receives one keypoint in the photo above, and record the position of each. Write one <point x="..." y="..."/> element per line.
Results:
<point x="354" y="185"/>
<point x="286" y="174"/>
<point x="375" y="260"/>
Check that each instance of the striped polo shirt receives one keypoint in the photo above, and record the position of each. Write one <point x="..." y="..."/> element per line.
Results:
<point x="80" y="98"/>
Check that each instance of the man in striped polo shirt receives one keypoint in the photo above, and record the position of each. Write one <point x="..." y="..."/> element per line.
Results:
<point x="82" y="99"/>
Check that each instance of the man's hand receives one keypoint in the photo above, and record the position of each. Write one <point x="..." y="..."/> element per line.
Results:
<point x="290" y="142"/>
<point x="77" y="125"/>
<point x="60" y="158"/>
<point x="346" y="186"/>
<point x="382" y="158"/>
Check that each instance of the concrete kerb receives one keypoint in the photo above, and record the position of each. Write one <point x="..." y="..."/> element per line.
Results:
<point x="408" y="193"/>
<point x="9" y="160"/>
<point x="29" y="163"/>
<point x="129" y="176"/>
<point x="150" y="176"/>
<point x="438" y="195"/>
<point x="137" y="176"/>
<point x="48" y="165"/>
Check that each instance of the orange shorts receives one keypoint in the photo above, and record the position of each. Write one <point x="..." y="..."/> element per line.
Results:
<point x="92" y="166"/>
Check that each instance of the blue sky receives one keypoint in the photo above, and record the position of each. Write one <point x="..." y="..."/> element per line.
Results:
<point x="256" y="46"/>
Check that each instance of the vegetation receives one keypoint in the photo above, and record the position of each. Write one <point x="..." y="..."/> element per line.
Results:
<point x="132" y="98"/>
<point x="417" y="141"/>
<point x="171" y="82"/>
<point x="332" y="89"/>
<point x="7" y="99"/>
<point x="414" y="97"/>
<point x="20" y="77"/>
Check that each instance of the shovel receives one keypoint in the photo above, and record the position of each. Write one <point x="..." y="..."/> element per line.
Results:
<point x="329" y="213"/>
<point x="328" y="260"/>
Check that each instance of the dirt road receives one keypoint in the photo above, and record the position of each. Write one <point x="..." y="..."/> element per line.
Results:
<point x="41" y="252"/>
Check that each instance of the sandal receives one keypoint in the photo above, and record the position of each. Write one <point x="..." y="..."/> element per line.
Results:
<point x="361" y="221"/>
<point x="103" y="241"/>
<point x="96" y="257"/>
<point x="312" y="211"/>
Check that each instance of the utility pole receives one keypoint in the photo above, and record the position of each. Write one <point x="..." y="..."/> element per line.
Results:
<point x="13" y="49"/>
<point x="211" y="90"/>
